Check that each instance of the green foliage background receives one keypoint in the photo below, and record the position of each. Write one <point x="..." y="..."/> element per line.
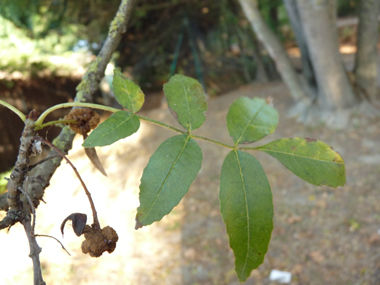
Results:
<point x="35" y="30"/>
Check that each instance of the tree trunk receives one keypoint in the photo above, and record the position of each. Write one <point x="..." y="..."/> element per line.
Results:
<point x="273" y="46"/>
<point x="366" y="55"/>
<point x="334" y="89"/>
<point x="261" y="74"/>
<point x="307" y="67"/>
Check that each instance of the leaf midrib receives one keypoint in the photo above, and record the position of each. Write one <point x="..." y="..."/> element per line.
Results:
<point x="246" y="206"/>
<point x="187" y="103"/>
<point x="297" y="155"/>
<point x="129" y="96"/>
<point x="245" y="128"/>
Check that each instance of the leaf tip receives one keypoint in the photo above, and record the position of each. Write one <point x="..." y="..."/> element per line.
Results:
<point x="92" y="155"/>
<point x="86" y="144"/>
<point x="138" y="224"/>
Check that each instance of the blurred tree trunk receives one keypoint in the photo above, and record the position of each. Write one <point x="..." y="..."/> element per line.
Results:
<point x="319" y="25"/>
<point x="274" y="47"/>
<point x="366" y="57"/>
<point x="261" y="74"/>
<point x="307" y="67"/>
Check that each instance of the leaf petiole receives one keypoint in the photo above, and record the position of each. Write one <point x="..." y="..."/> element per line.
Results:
<point x="39" y="123"/>
<point x="212" y="141"/>
<point x="162" y="124"/>
<point x="41" y="119"/>
<point x="185" y="132"/>
<point x="15" y="110"/>
<point x="54" y="123"/>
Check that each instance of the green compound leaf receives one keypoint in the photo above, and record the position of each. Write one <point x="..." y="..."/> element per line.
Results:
<point x="312" y="160"/>
<point x="127" y="93"/>
<point x="247" y="210"/>
<point x="167" y="178"/>
<point x="249" y="120"/>
<point x="118" y="126"/>
<point x="186" y="101"/>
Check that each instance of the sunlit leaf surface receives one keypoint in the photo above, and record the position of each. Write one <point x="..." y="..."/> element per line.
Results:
<point x="312" y="160"/>
<point x="249" y="120"/>
<point x="186" y="100"/>
<point x="167" y="178"/>
<point x="127" y="93"/>
<point x="118" y="126"/>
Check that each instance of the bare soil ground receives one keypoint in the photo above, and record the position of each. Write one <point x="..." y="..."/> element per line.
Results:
<point x="322" y="235"/>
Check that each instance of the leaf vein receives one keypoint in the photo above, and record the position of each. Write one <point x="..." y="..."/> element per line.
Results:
<point x="249" y="122"/>
<point x="116" y="127"/>
<point x="187" y="103"/>
<point x="247" y="210"/>
<point x="302" y="156"/>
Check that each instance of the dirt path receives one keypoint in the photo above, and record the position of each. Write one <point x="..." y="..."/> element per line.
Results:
<point x="322" y="235"/>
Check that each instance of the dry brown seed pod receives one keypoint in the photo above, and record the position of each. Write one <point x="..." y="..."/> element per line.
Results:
<point x="96" y="241"/>
<point x="86" y="120"/>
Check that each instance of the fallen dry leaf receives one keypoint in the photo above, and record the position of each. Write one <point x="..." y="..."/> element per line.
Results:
<point x="297" y="269"/>
<point x="294" y="219"/>
<point x="317" y="256"/>
<point x="374" y="239"/>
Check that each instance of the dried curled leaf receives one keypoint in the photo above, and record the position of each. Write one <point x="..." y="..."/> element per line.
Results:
<point x="93" y="156"/>
<point x="86" y="120"/>
<point x="98" y="241"/>
<point x="79" y="222"/>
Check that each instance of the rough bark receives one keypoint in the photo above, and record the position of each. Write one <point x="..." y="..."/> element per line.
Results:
<point x="334" y="89"/>
<point x="366" y="56"/>
<point x="16" y="211"/>
<point x="274" y="47"/>
<point x="35" y="251"/>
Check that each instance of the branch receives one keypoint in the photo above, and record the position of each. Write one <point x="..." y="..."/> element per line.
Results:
<point x="94" y="214"/>
<point x="148" y="7"/>
<point x="40" y="176"/>
<point x="34" y="252"/>
<point x="16" y="211"/>
<point x="32" y="207"/>
<point x="56" y="240"/>
<point x="95" y="72"/>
